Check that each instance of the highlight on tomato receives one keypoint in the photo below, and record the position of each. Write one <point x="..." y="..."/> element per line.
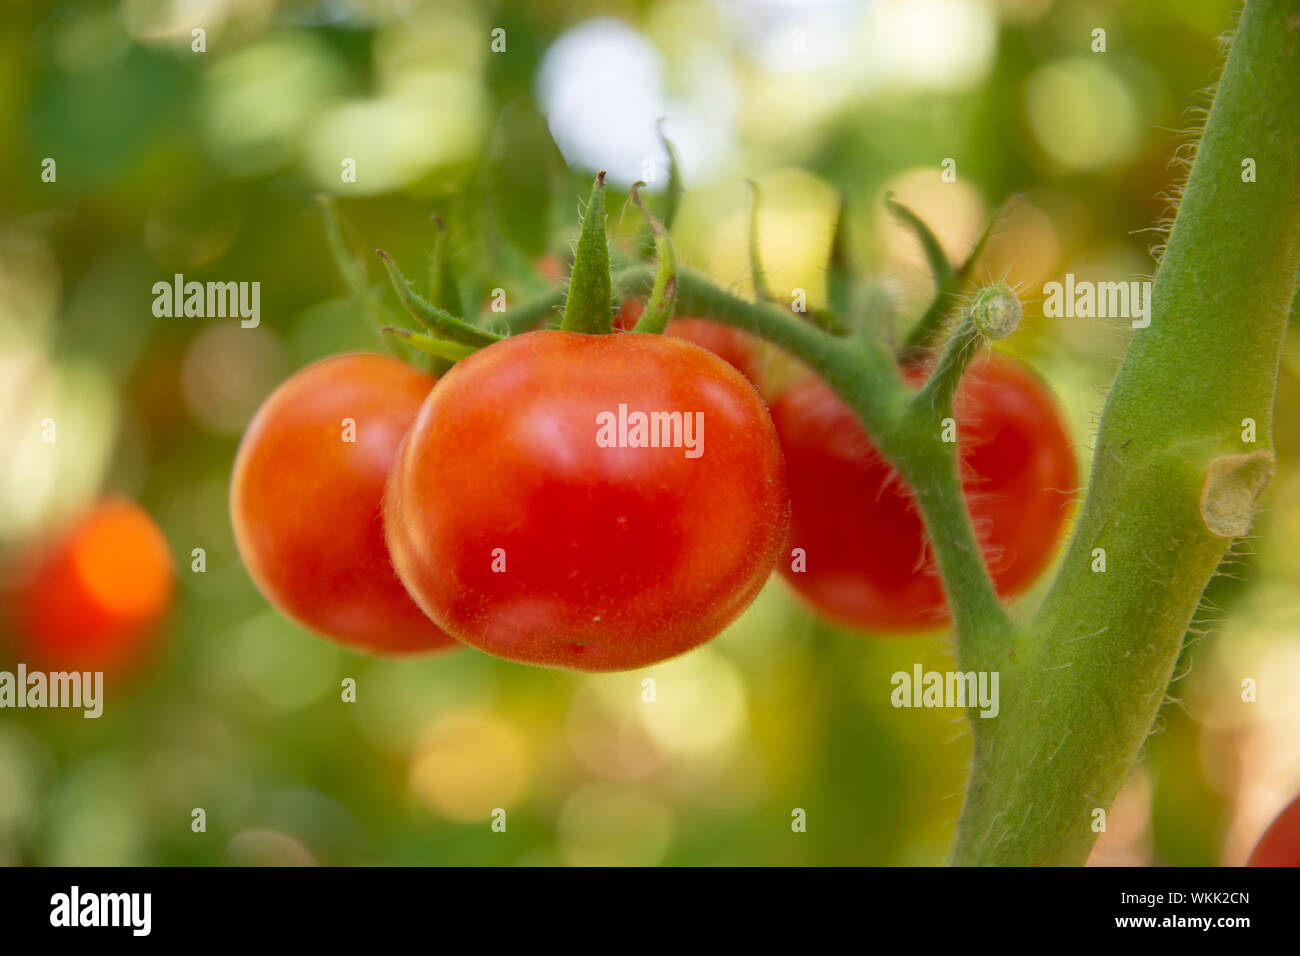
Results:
<point x="864" y="558"/>
<point x="92" y="596"/>
<point x="305" y="502"/>
<point x="595" y="502"/>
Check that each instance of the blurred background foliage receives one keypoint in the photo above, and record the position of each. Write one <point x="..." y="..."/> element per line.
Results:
<point x="206" y="163"/>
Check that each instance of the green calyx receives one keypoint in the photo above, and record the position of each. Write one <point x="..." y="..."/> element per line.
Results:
<point x="589" y="305"/>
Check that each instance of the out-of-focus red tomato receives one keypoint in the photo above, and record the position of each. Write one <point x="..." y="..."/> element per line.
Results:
<point x="91" y="597"/>
<point x="1280" y="844"/>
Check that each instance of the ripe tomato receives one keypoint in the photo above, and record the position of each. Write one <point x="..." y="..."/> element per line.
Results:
<point x="304" y="501"/>
<point x="734" y="346"/>
<point x="91" y="597"/>
<point x="1280" y="844"/>
<point x="519" y="533"/>
<point x="868" y="562"/>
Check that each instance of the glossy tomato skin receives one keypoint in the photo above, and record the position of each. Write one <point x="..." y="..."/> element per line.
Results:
<point x="91" y="596"/>
<point x="305" y="503"/>
<point x="614" y="557"/>
<point x="868" y="563"/>
<point x="1280" y="844"/>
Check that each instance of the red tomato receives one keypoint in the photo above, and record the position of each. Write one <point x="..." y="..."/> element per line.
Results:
<point x="91" y="598"/>
<point x="734" y="346"/>
<point x="868" y="562"/>
<point x="1280" y="844"/>
<point x="519" y="533"/>
<point x="305" y="502"/>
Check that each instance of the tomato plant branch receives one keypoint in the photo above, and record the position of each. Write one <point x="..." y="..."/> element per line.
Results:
<point x="1175" y="477"/>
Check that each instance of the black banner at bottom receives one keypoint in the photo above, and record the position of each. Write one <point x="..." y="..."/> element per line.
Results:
<point x="335" y="905"/>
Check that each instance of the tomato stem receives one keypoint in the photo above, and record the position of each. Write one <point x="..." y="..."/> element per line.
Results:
<point x="589" y="306"/>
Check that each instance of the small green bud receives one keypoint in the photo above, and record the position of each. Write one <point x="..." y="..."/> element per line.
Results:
<point x="996" y="311"/>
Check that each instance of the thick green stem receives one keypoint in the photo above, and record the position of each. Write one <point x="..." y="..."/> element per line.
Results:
<point x="1175" y="477"/>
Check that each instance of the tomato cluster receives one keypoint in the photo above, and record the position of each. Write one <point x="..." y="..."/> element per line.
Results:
<point x="599" y="498"/>
<point x="484" y="509"/>
<point x="514" y="518"/>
